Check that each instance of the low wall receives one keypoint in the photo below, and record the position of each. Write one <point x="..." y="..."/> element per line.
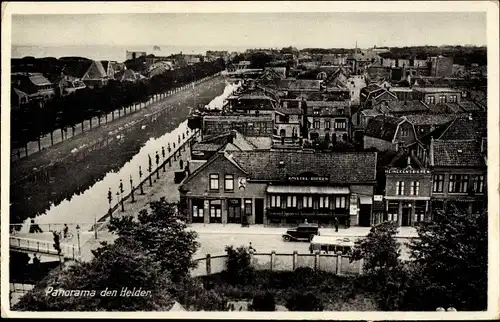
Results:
<point x="333" y="263"/>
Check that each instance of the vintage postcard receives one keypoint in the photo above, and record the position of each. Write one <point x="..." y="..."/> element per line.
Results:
<point x="250" y="160"/>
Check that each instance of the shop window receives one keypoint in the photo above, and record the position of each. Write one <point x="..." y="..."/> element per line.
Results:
<point x="340" y="202"/>
<point x="291" y="201"/>
<point x="307" y="202"/>
<point x="248" y="207"/>
<point x="275" y="201"/>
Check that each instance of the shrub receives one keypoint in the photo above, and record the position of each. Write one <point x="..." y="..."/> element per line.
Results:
<point x="263" y="302"/>
<point x="238" y="265"/>
<point x="211" y="301"/>
<point x="304" y="302"/>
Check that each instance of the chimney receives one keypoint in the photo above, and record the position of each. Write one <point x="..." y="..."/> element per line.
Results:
<point x="408" y="161"/>
<point x="484" y="145"/>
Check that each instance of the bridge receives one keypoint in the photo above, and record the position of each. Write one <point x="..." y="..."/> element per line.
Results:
<point x="31" y="246"/>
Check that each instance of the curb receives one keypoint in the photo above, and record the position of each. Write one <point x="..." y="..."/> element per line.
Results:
<point x="279" y="234"/>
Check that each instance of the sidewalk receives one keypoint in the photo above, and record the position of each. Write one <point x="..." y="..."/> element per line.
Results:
<point x="404" y="232"/>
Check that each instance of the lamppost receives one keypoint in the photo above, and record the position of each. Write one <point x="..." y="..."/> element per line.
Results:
<point x="110" y="199"/>
<point x="132" y="189"/>
<point x="157" y="157"/>
<point x="78" y="236"/>
<point x="150" y="169"/>
<point x="140" y="179"/>
<point x="163" y="155"/>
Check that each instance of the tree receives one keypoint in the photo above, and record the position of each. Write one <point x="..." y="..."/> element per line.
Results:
<point x="259" y="60"/>
<point x="162" y="235"/>
<point x="153" y="253"/>
<point x="304" y="302"/>
<point x="238" y="264"/>
<point x="451" y="256"/>
<point x="383" y="270"/>
<point x="115" y="267"/>
<point x="379" y="249"/>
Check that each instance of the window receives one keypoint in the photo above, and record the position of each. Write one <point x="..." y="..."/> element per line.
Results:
<point x="275" y="202"/>
<point x="316" y="124"/>
<point x="458" y="183"/>
<point x="214" y="181"/>
<point x="478" y="183"/>
<point x="340" y="202"/>
<point x="340" y="124"/>
<point x="291" y="201"/>
<point x="453" y="98"/>
<point x="437" y="183"/>
<point x="415" y="187"/>
<point x="248" y="207"/>
<point x="323" y="202"/>
<point x="431" y="100"/>
<point x="400" y="188"/>
<point x="229" y="182"/>
<point x="327" y="124"/>
<point x="405" y="131"/>
<point x="442" y="99"/>
<point x="307" y="201"/>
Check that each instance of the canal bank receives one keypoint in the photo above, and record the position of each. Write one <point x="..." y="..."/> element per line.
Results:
<point x="71" y="176"/>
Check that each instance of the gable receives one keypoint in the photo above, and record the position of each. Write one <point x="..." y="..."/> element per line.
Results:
<point x="96" y="71"/>
<point x="218" y="164"/>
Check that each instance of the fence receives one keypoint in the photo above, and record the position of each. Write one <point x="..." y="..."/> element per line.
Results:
<point x="60" y="135"/>
<point x="42" y="247"/>
<point x="101" y="223"/>
<point x="334" y="263"/>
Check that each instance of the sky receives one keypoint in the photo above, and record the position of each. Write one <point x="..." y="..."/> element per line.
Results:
<point x="325" y="30"/>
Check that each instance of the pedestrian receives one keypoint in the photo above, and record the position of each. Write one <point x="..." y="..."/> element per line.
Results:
<point x="348" y="222"/>
<point x="251" y="250"/>
<point x="34" y="228"/>
<point x="336" y="223"/>
<point x="305" y="221"/>
<point x="65" y="231"/>
<point x="36" y="261"/>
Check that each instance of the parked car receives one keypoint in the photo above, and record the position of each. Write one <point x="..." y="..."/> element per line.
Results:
<point x="331" y="245"/>
<point x="301" y="232"/>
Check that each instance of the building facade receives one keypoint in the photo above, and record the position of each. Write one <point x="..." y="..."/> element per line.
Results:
<point x="281" y="188"/>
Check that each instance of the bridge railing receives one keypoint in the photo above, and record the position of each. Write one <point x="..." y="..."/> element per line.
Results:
<point x="42" y="247"/>
<point x="25" y="228"/>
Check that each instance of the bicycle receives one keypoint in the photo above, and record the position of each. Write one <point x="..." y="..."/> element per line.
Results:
<point x="69" y="235"/>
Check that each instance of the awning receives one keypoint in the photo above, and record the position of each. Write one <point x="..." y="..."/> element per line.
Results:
<point x="308" y="190"/>
<point x="366" y="200"/>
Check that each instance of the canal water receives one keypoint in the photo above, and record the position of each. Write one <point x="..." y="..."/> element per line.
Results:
<point x="93" y="203"/>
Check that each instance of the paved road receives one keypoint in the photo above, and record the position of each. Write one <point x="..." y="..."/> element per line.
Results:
<point x="46" y="157"/>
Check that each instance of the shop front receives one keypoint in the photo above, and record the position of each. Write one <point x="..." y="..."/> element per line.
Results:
<point x="293" y="204"/>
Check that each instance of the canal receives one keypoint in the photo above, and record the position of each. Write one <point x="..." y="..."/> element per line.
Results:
<point x="122" y="158"/>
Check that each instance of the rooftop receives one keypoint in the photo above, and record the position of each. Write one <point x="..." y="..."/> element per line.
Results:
<point x="465" y="127"/>
<point x="351" y="167"/>
<point x="453" y="153"/>
<point x="299" y="84"/>
<point x="436" y="90"/>
<point x="383" y="127"/>
<point x="402" y="106"/>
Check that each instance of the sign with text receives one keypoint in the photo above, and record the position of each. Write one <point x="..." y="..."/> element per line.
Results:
<point x="308" y="179"/>
<point x="353" y="204"/>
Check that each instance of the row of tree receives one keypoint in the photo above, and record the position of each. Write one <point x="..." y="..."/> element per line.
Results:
<point x="31" y="122"/>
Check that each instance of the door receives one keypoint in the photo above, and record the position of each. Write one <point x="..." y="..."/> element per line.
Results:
<point x="215" y="211"/>
<point x="234" y="211"/>
<point x="259" y="211"/>
<point x="406" y="220"/>
<point x="364" y="215"/>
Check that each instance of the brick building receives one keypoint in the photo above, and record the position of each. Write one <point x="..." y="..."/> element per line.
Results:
<point x="281" y="188"/>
